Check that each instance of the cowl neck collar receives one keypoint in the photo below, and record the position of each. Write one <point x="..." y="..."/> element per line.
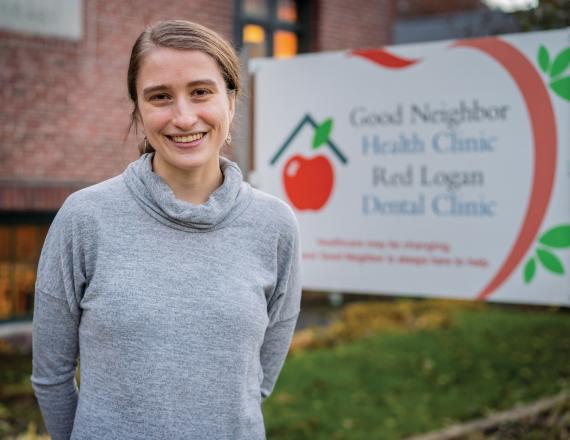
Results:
<point x="152" y="193"/>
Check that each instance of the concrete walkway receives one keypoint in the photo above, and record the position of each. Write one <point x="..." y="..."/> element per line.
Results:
<point x="10" y="329"/>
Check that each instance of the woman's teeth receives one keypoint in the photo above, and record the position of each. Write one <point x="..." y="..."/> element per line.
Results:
<point x="190" y="138"/>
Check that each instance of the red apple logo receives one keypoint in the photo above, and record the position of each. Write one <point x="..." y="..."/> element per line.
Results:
<point x="308" y="182"/>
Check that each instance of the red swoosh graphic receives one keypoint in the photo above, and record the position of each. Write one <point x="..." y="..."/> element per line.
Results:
<point x="384" y="58"/>
<point x="539" y="108"/>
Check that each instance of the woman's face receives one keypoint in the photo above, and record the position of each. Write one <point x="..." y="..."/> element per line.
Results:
<point x="185" y="109"/>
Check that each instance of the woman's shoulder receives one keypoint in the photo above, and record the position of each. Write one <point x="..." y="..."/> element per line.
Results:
<point x="94" y="198"/>
<point x="273" y="210"/>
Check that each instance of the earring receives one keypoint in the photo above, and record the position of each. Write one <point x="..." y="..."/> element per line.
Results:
<point x="229" y="139"/>
<point x="146" y="145"/>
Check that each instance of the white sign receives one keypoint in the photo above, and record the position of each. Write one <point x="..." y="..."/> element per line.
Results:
<point x="53" y="18"/>
<point x="438" y="169"/>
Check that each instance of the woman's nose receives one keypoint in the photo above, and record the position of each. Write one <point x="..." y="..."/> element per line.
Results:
<point x="185" y="115"/>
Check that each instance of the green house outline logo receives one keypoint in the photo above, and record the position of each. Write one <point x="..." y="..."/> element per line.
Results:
<point x="308" y="119"/>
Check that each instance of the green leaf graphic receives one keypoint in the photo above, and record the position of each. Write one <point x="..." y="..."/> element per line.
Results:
<point x="529" y="270"/>
<point x="322" y="133"/>
<point x="550" y="261"/>
<point x="543" y="59"/>
<point x="557" y="237"/>
<point x="561" y="63"/>
<point x="562" y="87"/>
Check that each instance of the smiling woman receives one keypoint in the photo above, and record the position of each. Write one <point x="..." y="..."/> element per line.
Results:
<point x="175" y="283"/>
<point x="183" y="86"/>
<point x="186" y="113"/>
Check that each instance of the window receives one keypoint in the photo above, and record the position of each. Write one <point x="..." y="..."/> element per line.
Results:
<point x="21" y="241"/>
<point x="271" y="27"/>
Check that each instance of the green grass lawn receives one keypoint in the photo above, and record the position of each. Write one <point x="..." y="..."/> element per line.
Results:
<point x="18" y="406"/>
<point x="392" y="385"/>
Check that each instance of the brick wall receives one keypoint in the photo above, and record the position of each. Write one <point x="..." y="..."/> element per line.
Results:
<point x="64" y="108"/>
<point x="354" y="24"/>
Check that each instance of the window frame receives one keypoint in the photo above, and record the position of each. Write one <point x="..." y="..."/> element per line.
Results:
<point x="271" y="24"/>
<point x="23" y="218"/>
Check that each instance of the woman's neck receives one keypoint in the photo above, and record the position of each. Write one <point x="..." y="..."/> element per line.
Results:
<point x="194" y="186"/>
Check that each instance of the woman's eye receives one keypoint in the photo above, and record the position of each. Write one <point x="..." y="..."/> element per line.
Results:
<point x="201" y="92"/>
<point x="160" y="97"/>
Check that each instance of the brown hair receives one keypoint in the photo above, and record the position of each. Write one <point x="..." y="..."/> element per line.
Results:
<point x="184" y="35"/>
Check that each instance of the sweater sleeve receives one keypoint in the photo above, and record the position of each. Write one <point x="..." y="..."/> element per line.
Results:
<point x="283" y="310"/>
<point x="56" y="320"/>
<point x="55" y="349"/>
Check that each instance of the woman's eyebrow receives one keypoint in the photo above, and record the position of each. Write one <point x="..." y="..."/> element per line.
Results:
<point x="152" y="89"/>
<point x="198" y="82"/>
<point x="202" y="82"/>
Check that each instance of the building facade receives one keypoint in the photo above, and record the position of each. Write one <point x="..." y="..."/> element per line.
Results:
<point x="64" y="112"/>
<point x="432" y="20"/>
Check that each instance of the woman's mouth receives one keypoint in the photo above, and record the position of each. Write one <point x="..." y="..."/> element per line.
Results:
<point x="185" y="139"/>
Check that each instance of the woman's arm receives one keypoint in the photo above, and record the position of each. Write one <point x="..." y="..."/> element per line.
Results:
<point x="274" y="351"/>
<point x="283" y="309"/>
<point x="59" y="285"/>
<point x="55" y="350"/>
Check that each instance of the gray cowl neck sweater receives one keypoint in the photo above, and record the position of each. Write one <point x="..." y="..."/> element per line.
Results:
<point x="158" y="200"/>
<point x="181" y="315"/>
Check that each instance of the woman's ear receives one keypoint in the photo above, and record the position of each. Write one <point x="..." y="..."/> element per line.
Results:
<point x="232" y="104"/>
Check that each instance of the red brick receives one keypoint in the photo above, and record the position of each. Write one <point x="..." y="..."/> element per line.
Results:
<point x="65" y="108"/>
